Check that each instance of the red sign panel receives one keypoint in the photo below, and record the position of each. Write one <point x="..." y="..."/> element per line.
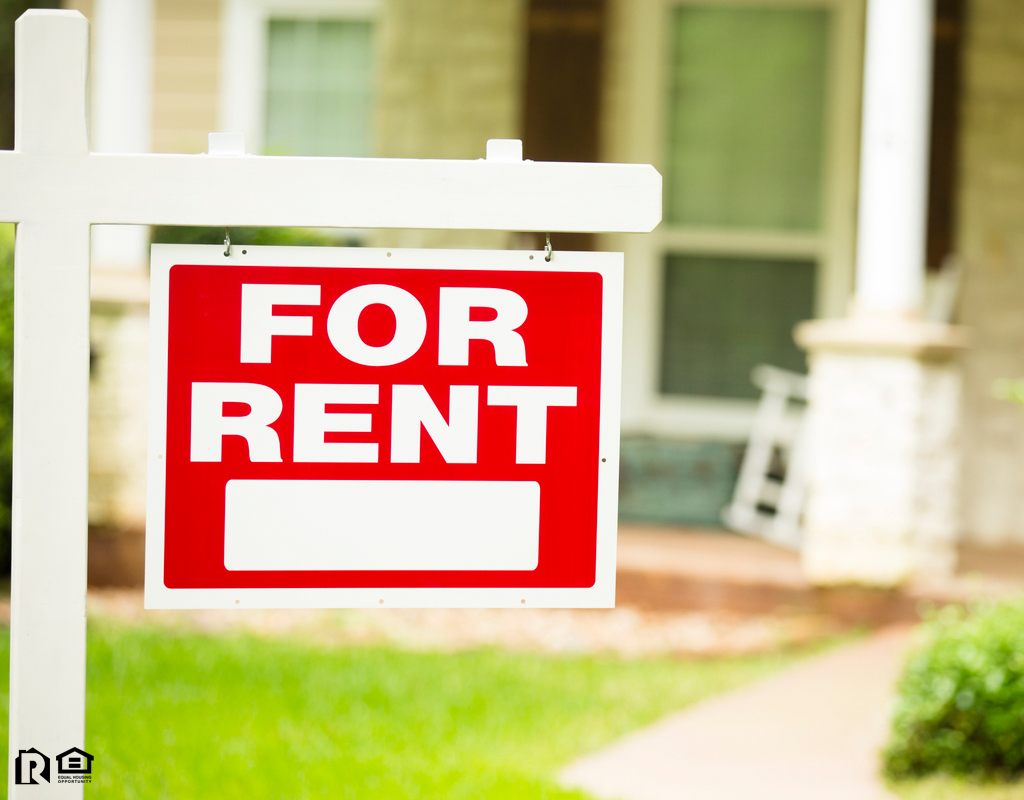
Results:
<point x="344" y="427"/>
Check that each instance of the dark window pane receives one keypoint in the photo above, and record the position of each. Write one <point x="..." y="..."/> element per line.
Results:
<point x="942" y="187"/>
<point x="724" y="316"/>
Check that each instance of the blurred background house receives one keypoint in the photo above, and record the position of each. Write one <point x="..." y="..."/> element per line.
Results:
<point x="752" y="112"/>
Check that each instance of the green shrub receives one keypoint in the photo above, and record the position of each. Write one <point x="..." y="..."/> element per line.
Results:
<point x="281" y="237"/>
<point x="6" y="389"/>
<point x="960" y="708"/>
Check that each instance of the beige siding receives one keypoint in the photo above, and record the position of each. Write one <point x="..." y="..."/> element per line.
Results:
<point x="450" y="78"/>
<point x="630" y="100"/>
<point x="186" y="72"/>
<point x="991" y="239"/>
<point x="85" y="7"/>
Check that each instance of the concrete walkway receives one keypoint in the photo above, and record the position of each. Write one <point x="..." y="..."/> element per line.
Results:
<point x="812" y="732"/>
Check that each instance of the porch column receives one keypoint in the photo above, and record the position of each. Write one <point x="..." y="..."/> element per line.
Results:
<point x="122" y="115"/>
<point x="884" y="407"/>
<point x="122" y="122"/>
<point x="896" y="111"/>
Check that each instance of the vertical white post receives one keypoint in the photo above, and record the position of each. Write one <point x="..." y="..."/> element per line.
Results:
<point x="51" y="402"/>
<point x="894" y="156"/>
<point x="883" y="419"/>
<point x="122" y="120"/>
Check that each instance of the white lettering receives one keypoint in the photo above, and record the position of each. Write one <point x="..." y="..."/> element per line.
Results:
<point x="455" y="328"/>
<point x="312" y="421"/>
<point x="259" y="325"/>
<point x="412" y="407"/>
<point x="532" y="403"/>
<point x="209" y="425"/>
<point x="410" y="325"/>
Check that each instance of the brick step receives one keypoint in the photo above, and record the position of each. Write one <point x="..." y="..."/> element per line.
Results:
<point x="667" y="568"/>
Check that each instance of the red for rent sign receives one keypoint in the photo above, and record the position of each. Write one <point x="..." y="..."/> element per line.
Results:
<point x="358" y="427"/>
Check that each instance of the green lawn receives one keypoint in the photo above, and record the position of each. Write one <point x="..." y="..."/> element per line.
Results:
<point x="176" y="714"/>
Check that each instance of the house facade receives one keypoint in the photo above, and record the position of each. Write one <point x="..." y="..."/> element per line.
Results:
<point x="752" y="110"/>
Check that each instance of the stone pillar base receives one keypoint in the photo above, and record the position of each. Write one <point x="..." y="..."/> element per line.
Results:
<point x="883" y="450"/>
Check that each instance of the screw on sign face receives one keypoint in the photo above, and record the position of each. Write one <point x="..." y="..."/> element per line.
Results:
<point x="428" y="428"/>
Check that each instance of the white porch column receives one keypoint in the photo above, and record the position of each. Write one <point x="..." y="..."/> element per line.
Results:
<point x="894" y="156"/>
<point x="122" y="113"/>
<point x="883" y="466"/>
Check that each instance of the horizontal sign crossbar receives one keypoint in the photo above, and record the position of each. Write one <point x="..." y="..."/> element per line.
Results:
<point x="328" y="192"/>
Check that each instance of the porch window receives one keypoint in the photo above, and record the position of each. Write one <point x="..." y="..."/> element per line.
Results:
<point x="319" y="88"/>
<point x="744" y="177"/>
<point x="723" y="316"/>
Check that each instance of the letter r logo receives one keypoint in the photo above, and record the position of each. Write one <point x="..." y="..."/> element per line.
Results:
<point x="29" y="765"/>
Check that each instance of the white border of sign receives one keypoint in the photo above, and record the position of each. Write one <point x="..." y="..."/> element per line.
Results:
<point x="600" y="595"/>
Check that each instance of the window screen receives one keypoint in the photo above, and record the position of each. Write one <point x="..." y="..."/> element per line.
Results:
<point x="724" y="316"/>
<point x="746" y="117"/>
<point x="319" y="88"/>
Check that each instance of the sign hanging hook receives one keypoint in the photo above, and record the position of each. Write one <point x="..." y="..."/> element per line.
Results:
<point x="227" y="241"/>
<point x="547" y="247"/>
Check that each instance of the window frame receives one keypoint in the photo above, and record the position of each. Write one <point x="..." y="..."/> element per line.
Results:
<point x="647" y="85"/>
<point x="244" y="38"/>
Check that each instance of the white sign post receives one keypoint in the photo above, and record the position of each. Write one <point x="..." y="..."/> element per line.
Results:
<point x="54" y="189"/>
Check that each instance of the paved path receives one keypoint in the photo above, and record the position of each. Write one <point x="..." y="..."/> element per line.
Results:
<point x="810" y="733"/>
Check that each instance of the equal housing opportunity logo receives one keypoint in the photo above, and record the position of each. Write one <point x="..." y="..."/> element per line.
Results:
<point x="33" y="767"/>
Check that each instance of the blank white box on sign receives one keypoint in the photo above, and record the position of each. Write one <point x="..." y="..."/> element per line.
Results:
<point x="381" y="525"/>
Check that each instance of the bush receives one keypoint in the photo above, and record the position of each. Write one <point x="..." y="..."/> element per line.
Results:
<point x="314" y="237"/>
<point x="960" y="708"/>
<point x="6" y="389"/>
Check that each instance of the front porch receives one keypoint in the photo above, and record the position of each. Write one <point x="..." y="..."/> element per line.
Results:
<point x="672" y="567"/>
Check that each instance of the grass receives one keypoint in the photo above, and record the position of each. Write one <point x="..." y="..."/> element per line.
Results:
<point x="945" y="788"/>
<point x="178" y="714"/>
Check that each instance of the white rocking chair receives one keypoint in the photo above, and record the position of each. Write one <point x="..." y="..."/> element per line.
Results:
<point x="769" y="496"/>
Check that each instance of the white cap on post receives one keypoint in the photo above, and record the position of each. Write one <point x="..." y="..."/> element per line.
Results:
<point x="504" y="150"/>
<point x="226" y="144"/>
